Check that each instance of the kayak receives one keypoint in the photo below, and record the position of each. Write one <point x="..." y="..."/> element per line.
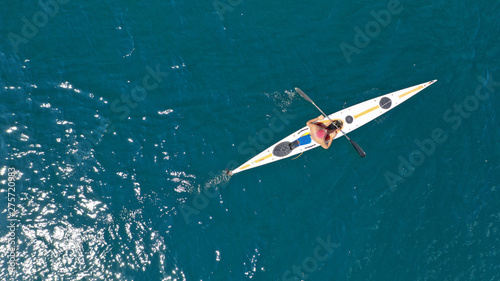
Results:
<point x="348" y="120"/>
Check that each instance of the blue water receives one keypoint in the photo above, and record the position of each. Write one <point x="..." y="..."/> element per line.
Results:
<point x="118" y="119"/>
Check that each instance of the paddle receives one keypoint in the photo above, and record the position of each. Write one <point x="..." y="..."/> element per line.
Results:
<point x="354" y="144"/>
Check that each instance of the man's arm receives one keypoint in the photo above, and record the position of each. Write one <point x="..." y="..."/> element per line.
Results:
<point x="325" y="145"/>
<point x="332" y="136"/>
<point x="310" y="122"/>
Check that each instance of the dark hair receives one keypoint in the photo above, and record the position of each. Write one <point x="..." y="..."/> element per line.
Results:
<point x="333" y="127"/>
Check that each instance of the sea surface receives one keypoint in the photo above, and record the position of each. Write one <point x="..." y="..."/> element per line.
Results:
<point x="118" y="119"/>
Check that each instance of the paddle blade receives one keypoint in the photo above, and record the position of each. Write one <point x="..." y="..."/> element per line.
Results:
<point x="358" y="148"/>
<point x="303" y="94"/>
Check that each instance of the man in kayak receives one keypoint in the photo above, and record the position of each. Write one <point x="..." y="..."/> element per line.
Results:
<point x="321" y="130"/>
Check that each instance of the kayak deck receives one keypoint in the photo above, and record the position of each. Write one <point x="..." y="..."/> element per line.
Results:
<point x="352" y="117"/>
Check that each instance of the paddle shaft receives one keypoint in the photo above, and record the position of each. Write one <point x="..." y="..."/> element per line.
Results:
<point x="331" y="120"/>
<point x="359" y="150"/>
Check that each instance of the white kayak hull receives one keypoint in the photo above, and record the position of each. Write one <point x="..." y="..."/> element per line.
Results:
<point x="352" y="117"/>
